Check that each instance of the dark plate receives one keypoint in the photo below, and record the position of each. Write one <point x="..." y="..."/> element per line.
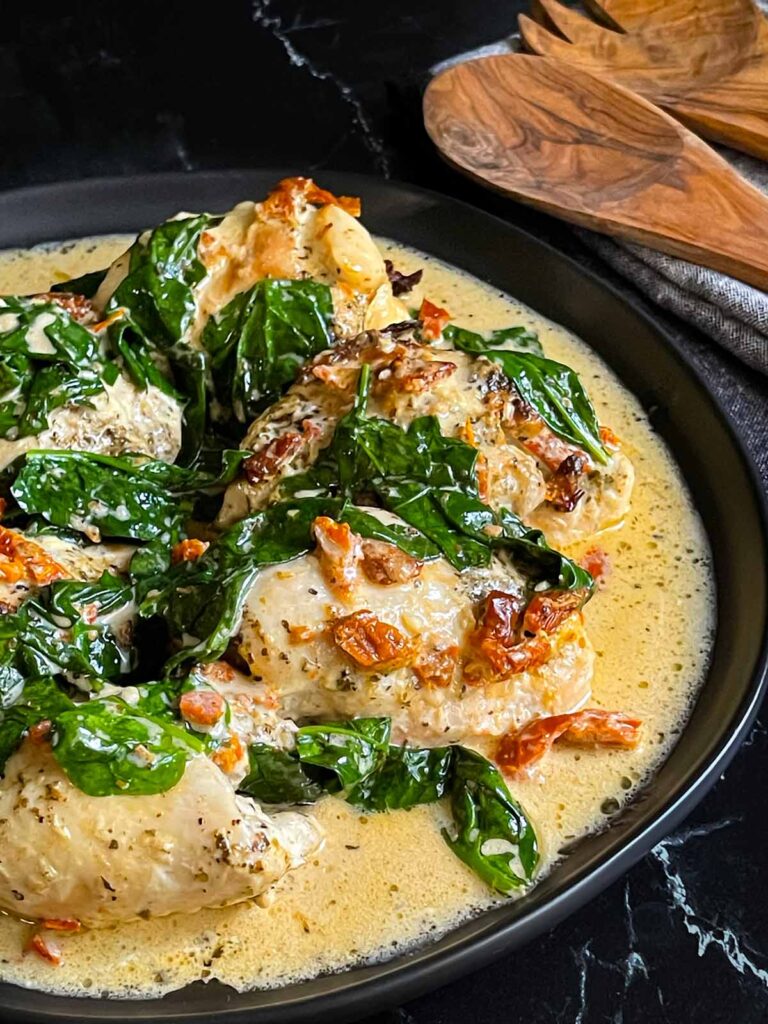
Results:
<point x="714" y="463"/>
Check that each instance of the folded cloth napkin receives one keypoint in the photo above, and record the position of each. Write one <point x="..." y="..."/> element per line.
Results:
<point x="732" y="313"/>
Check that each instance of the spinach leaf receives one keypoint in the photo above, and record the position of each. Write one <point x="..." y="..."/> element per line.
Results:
<point x="492" y="835"/>
<point x="406" y="777"/>
<point x="52" y="634"/>
<point x="520" y="339"/>
<point x="128" y="496"/>
<point x="551" y="388"/>
<point x="491" y="832"/>
<point x="107" y="747"/>
<point x="258" y="342"/>
<point x="157" y="298"/>
<point x="36" y="700"/>
<point x="430" y="481"/>
<point x="47" y="359"/>
<point x="352" y="750"/>
<point x="86" y="284"/>
<point x="277" y="777"/>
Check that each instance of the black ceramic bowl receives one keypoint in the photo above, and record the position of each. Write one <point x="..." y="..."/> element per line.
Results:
<point x="710" y="456"/>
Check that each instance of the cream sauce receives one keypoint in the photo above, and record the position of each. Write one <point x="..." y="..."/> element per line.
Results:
<point x="385" y="882"/>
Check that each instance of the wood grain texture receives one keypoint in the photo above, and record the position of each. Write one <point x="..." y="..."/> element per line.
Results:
<point x="705" y="61"/>
<point x="596" y="154"/>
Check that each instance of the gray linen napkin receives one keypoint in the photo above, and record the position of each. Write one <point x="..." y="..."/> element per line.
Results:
<point x="732" y="313"/>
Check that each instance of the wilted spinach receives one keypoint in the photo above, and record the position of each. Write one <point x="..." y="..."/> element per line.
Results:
<point x="258" y="342"/>
<point x="551" y="388"/>
<point x="47" y="359"/>
<point x="125" y="496"/>
<point x="490" y="833"/>
<point x="109" y="747"/>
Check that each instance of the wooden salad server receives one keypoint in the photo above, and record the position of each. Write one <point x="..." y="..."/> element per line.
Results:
<point x="592" y="152"/>
<point x="706" y="61"/>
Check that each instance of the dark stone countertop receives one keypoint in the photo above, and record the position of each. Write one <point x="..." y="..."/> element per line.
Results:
<point x="97" y="89"/>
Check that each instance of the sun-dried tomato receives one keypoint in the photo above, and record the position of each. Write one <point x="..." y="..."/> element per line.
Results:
<point x="201" y="707"/>
<point x="436" y="666"/>
<point x="597" y="563"/>
<point x="339" y="552"/>
<point x="78" y="307"/>
<point x="549" y="609"/>
<point x="283" y="198"/>
<point x="62" y="924"/>
<point x="188" y="550"/>
<point x="592" y="727"/>
<point x="564" y="487"/>
<point x="266" y="463"/>
<point x="433" y="320"/>
<point x="386" y="563"/>
<point x="46" y="948"/>
<point x="402" y="283"/>
<point x="23" y="559"/>
<point x="228" y="756"/>
<point x="499" y="618"/>
<point x="373" y="644"/>
<point x="609" y="439"/>
<point x="40" y="732"/>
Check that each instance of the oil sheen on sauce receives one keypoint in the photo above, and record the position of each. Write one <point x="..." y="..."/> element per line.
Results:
<point x="385" y="882"/>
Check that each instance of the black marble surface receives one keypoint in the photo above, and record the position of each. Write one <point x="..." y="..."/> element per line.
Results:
<point x="107" y="88"/>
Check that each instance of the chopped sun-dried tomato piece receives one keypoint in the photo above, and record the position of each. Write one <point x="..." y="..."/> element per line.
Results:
<point x="113" y="317"/>
<point x="78" y="307"/>
<point x="282" y="199"/>
<point x="266" y="463"/>
<point x="564" y="490"/>
<point x="401" y="283"/>
<point x="219" y="671"/>
<point x="339" y="551"/>
<point x="609" y="439"/>
<point x="500" y="617"/>
<point x="201" y="707"/>
<point x="483" y="477"/>
<point x="435" y="666"/>
<point x="228" y="756"/>
<point x="433" y="320"/>
<point x="40" y="733"/>
<point x="61" y="924"/>
<point x="499" y="660"/>
<point x="591" y="727"/>
<point x="372" y="643"/>
<point x="386" y="563"/>
<point x="188" y="550"/>
<point x="597" y="563"/>
<point x="549" y="609"/>
<point x="23" y="559"/>
<point x="411" y="375"/>
<point x="46" y="948"/>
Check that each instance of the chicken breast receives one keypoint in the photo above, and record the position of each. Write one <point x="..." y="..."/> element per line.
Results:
<point x="522" y="465"/>
<point x="106" y="859"/>
<point x="299" y="231"/>
<point x="29" y="563"/>
<point x="385" y="635"/>
<point x="122" y="418"/>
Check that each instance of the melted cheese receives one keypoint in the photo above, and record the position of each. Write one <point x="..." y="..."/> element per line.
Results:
<point x="384" y="882"/>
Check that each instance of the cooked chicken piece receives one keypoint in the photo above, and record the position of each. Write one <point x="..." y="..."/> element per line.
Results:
<point x="101" y="860"/>
<point x="122" y="418"/>
<point x="348" y="631"/>
<point x="26" y="564"/>
<point x="299" y="231"/>
<point x="522" y="465"/>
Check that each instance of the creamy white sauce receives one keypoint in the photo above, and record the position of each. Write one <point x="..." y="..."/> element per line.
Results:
<point x="384" y="882"/>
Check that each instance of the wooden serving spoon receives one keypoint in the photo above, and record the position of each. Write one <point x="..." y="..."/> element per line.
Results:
<point x="591" y="152"/>
<point x="706" y="61"/>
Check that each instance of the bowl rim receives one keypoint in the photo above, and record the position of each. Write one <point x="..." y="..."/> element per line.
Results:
<point x="365" y="989"/>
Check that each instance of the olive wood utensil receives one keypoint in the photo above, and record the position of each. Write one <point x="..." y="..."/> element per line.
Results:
<point x="592" y="152"/>
<point x="706" y="61"/>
